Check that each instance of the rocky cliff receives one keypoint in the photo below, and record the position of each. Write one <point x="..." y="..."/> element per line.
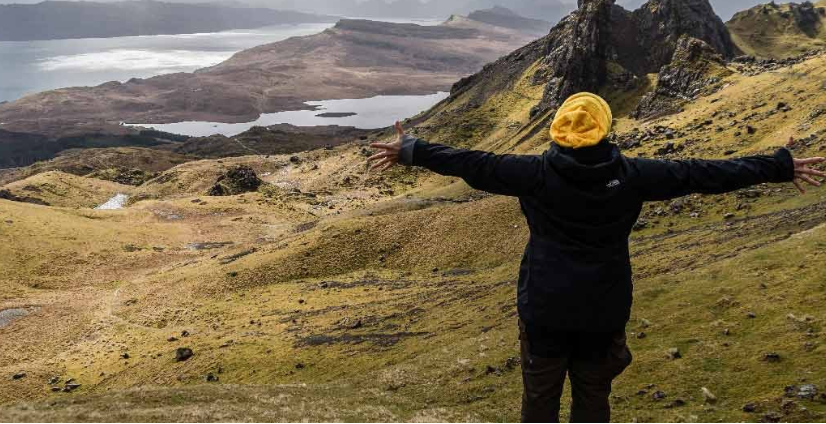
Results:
<point x="602" y="44"/>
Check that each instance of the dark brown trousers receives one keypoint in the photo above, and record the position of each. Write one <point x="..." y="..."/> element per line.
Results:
<point x="591" y="360"/>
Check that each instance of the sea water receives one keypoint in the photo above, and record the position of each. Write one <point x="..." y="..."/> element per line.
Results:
<point x="369" y="113"/>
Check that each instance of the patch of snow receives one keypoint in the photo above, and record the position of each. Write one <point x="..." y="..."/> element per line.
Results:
<point x="116" y="202"/>
<point x="9" y="315"/>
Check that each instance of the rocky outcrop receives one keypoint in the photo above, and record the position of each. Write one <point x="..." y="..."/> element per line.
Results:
<point x="602" y="44"/>
<point x="661" y="24"/>
<point x="695" y="69"/>
<point x="750" y="65"/>
<point x="241" y="179"/>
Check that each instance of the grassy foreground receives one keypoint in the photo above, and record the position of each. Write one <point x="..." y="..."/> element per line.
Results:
<point x="333" y="294"/>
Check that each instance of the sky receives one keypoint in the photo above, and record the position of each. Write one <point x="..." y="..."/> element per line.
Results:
<point x="724" y="8"/>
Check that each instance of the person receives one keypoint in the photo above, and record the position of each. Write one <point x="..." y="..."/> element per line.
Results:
<point x="581" y="199"/>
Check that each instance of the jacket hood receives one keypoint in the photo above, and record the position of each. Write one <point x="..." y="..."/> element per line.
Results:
<point x="590" y="164"/>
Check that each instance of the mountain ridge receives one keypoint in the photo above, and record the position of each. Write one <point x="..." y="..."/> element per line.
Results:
<point x="357" y="59"/>
<point x="780" y="31"/>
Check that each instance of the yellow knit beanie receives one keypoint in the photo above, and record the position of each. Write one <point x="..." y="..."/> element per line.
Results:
<point x="583" y="120"/>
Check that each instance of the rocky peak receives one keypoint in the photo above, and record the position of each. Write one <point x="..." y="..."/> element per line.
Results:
<point x="661" y="23"/>
<point x="580" y="47"/>
<point x="576" y="51"/>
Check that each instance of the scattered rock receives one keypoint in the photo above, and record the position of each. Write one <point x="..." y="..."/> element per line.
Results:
<point x="182" y="354"/>
<point x="708" y="397"/>
<point x="300" y="366"/>
<point x="674" y="353"/>
<point x="771" y="357"/>
<point x="658" y="395"/>
<point x="640" y="225"/>
<point x="18" y="376"/>
<point x="512" y="362"/>
<point x="771" y="417"/>
<point x="54" y="380"/>
<point x="70" y="387"/>
<point x="749" y="408"/>
<point x="641" y="335"/>
<point x="124" y="355"/>
<point x="211" y="378"/>
<point x="807" y="391"/>
<point x="676" y="403"/>
<point x="751" y="315"/>
<point x="184" y="333"/>
<point x="172" y="339"/>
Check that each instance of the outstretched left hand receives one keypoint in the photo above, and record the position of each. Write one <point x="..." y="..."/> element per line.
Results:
<point x="389" y="154"/>
<point x="804" y="174"/>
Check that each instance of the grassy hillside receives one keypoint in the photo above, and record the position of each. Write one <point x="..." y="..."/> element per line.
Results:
<point x="56" y="188"/>
<point x="780" y="30"/>
<point x="336" y="294"/>
<point x="83" y="162"/>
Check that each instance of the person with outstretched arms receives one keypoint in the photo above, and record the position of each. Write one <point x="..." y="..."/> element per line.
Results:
<point x="581" y="199"/>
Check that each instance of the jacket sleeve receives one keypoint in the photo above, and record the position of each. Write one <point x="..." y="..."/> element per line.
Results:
<point x="663" y="180"/>
<point x="509" y="175"/>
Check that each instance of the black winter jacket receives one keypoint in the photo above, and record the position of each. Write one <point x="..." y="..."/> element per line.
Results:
<point x="580" y="206"/>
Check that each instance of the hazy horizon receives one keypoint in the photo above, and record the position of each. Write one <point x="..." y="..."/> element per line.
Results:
<point x="724" y="8"/>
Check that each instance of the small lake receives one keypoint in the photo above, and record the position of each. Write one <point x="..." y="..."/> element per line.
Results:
<point x="370" y="113"/>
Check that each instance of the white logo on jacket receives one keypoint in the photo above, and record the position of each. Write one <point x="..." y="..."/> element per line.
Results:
<point x="613" y="183"/>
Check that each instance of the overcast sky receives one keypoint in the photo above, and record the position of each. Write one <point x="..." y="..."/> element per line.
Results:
<point x="724" y="8"/>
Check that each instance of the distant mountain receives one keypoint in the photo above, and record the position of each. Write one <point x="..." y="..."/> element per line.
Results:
<point x="778" y="31"/>
<point x="507" y="18"/>
<point x="355" y="59"/>
<point x="68" y="19"/>
<point x="548" y="10"/>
